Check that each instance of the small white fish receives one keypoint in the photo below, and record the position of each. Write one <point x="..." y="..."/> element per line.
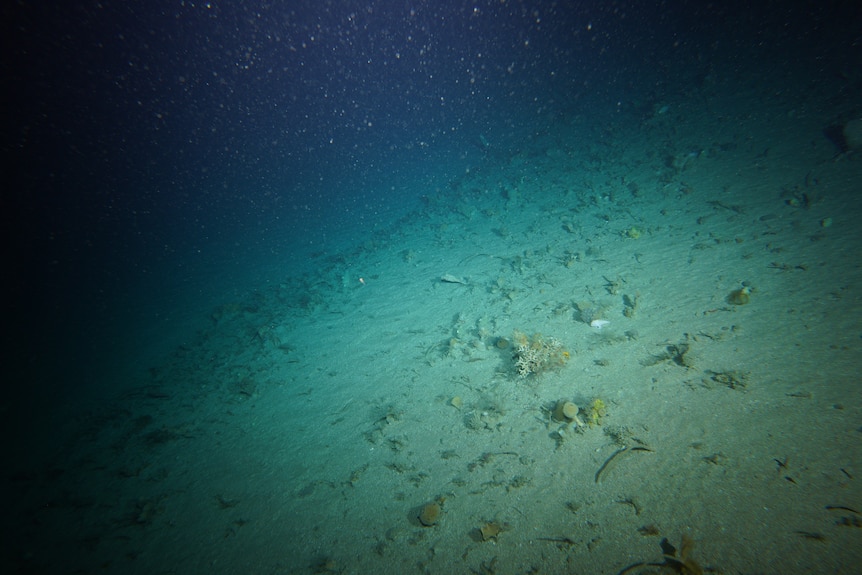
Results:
<point x="599" y="323"/>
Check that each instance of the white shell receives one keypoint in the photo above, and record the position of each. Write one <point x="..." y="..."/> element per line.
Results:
<point x="599" y="323"/>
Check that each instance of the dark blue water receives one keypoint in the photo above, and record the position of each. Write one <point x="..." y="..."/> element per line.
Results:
<point x="176" y="151"/>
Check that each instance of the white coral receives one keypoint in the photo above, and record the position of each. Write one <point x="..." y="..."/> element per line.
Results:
<point x="533" y="358"/>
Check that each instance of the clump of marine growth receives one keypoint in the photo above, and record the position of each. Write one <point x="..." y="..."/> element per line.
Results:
<point x="537" y="354"/>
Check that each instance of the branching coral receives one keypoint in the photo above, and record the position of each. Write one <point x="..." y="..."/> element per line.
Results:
<point x="537" y="354"/>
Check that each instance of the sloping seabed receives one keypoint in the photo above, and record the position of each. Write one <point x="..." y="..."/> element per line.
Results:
<point x="308" y="427"/>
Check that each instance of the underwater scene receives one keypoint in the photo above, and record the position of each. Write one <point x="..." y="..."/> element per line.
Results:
<point x="494" y="287"/>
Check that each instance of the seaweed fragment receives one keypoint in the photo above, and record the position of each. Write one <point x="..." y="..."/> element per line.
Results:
<point x="614" y="458"/>
<point x="674" y="353"/>
<point x="675" y="560"/>
<point x="562" y="543"/>
<point x="812" y="535"/>
<point x="225" y="502"/>
<point x="681" y="561"/>
<point x="849" y="521"/>
<point x="732" y="379"/>
<point x="649" y="530"/>
<point x="487" y="457"/>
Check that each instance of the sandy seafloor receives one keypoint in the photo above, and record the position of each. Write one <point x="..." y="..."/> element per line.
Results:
<point x="304" y="428"/>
